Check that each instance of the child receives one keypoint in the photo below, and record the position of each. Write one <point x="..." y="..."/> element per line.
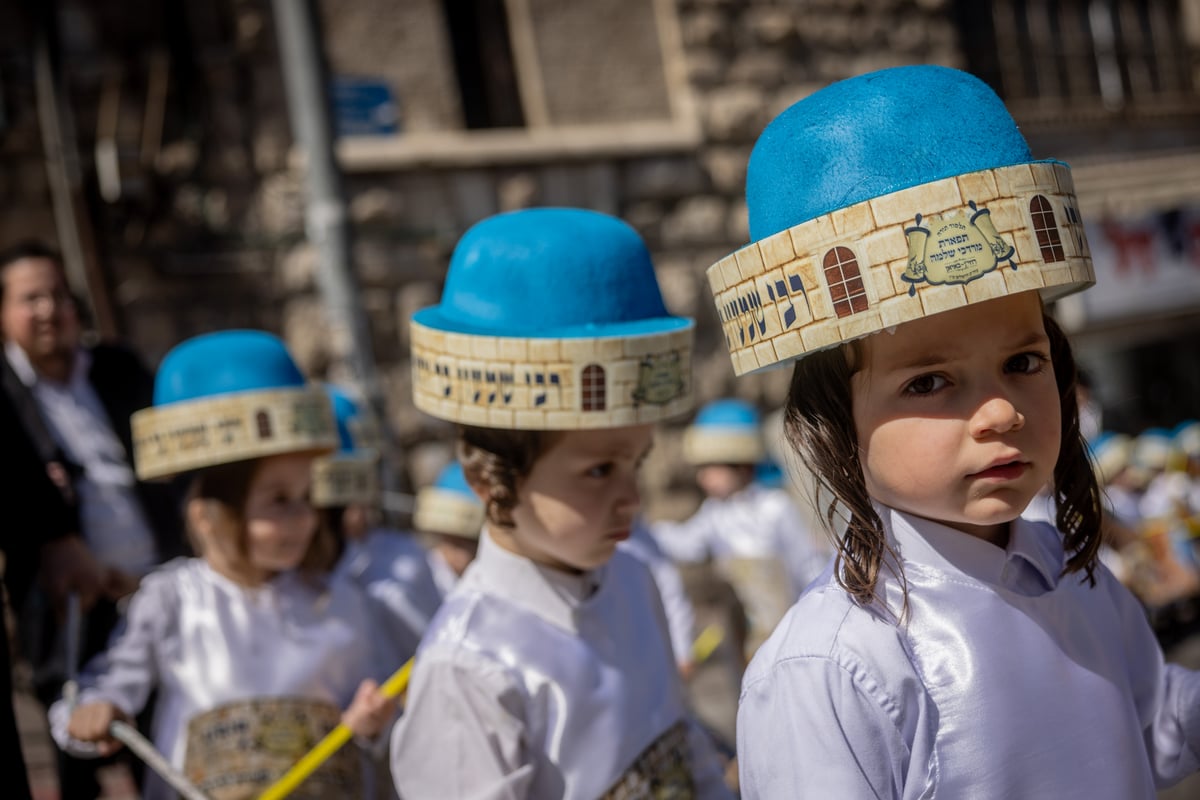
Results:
<point x="253" y="618"/>
<point x="449" y="516"/>
<point x="388" y="565"/>
<point x="905" y="244"/>
<point x="752" y="531"/>
<point x="548" y="671"/>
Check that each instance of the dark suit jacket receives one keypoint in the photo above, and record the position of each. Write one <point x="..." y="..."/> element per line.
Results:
<point x="34" y="510"/>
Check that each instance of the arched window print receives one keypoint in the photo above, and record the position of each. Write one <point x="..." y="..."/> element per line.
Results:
<point x="1046" y="229"/>
<point x="845" y="282"/>
<point x="593" y="387"/>
<point x="263" y="419"/>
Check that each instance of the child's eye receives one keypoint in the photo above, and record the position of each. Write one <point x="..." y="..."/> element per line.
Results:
<point x="1026" y="363"/>
<point x="600" y="470"/>
<point x="924" y="384"/>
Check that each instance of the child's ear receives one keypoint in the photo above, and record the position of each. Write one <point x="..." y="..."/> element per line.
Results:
<point x="201" y="516"/>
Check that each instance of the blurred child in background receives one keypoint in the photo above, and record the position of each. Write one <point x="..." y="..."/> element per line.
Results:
<point x="388" y="565"/>
<point x="449" y="518"/>
<point x="753" y="533"/>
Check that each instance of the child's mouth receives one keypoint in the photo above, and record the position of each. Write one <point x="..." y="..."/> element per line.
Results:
<point x="1003" y="472"/>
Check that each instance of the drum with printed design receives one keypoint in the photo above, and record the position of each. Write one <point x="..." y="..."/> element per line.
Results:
<point x="237" y="750"/>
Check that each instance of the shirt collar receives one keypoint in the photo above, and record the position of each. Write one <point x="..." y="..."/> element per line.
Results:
<point x="1030" y="544"/>
<point x="18" y="359"/>
<point x="556" y="596"/>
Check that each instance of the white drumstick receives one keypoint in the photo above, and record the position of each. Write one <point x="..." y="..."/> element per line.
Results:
<point x="74" y="633"/>
<point x="143" y="749"/>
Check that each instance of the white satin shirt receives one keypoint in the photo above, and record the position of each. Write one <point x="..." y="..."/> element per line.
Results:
<point x="535" y="683"/>
<point x="1007" y="680"/>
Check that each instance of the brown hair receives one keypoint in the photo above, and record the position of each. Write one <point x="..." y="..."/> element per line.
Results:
<point x="498" y="460"/>
<point x="820" y="425"/>
<point x="229" y="485"/>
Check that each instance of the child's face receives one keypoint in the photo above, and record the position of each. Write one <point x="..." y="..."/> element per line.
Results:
<point x="280" y="522"/>
<point x="958" y="415"/>
<point x="721" y="481"/>
<point x="579" y="500"/>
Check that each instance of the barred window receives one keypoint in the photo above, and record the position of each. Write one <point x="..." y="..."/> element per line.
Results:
<point x="593" y="387"/>
<point x="1095" y="58"/>
<point x="845" y="282"/>
<point x="1046" y="229"/>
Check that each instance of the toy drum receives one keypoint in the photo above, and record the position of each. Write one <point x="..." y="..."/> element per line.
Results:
<point x="237" y="750"/>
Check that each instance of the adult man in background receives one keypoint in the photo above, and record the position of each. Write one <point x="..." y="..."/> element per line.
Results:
<point x="69" y="406"/>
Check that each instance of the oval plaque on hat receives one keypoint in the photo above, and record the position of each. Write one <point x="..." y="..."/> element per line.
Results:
<point x="551" y="319"/>
<point x="886" y="198"/>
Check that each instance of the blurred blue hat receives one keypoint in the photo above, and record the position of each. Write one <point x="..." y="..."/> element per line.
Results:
<point x="351" y="475"/>
<point x="1187" y="437"/>
<point x="551" y="319"/>
<point x="449" y="506"/>
<point x="224" y="397"/>
<point x="1111" y="453"/>
<point x="886" y="198"/>
<point x="724" y="432"/>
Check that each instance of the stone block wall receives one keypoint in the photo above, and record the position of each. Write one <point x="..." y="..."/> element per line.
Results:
<point x="221" y="241"/>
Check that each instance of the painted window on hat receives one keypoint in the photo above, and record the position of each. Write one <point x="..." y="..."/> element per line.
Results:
<point x="842" y="276"/>
<point x="593" y="388"/>
<point x="1046" y="229"/>
<point x="263" y="420"/>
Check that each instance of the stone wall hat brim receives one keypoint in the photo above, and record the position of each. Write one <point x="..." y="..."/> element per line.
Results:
<point x="448" y="512"/>
<point x="346" y="479"/>
<point x="219" y="429"/>
<point x="631" y="374"/>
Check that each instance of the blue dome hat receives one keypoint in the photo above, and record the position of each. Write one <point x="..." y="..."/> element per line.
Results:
<point x="225" y="397"/>
<point x="1187" y="437"/>
<point x="885" y="198"/>
<point x="1154" y="449"/>
<point x="551" y="319"/>
<point x="349" y="476"/>
<point x="725" y="432"/>
<point x="1111" y="453"/>
<point x="449" y="506"/>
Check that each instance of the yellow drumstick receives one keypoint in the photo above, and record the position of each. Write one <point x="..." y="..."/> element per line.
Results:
<point x="332" y="742"/>
<point x="708" y="641"/>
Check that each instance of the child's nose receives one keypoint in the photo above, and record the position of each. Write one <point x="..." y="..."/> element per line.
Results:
<point x="996" y="414"/>
<point x="629" y="498"/>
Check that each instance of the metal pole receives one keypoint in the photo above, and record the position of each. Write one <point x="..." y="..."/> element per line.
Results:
<point x="75" y="235"/>
<point x="327" y="225"/>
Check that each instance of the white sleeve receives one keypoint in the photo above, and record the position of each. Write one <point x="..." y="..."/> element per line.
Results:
<point x="1174" y="736"/>
<point x="127" y="671"/>
<point x="681" y="618"/>
<point x="810" y="728"/>
<point x="1167" y="696"/>
<point x="462" y="732"/>
<point x="689" y="541"/>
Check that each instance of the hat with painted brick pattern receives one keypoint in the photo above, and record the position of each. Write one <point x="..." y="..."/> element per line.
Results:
<point x="349" y="476"/>
<point x="551" y="319"/>
<point x="886" y="198"/>
<point x="449" y="506"/>
<point x="225" y="397"/>
<point x="724" y="432"/>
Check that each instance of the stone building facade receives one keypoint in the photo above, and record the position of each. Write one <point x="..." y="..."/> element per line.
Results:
<point x="646" y="109"/>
